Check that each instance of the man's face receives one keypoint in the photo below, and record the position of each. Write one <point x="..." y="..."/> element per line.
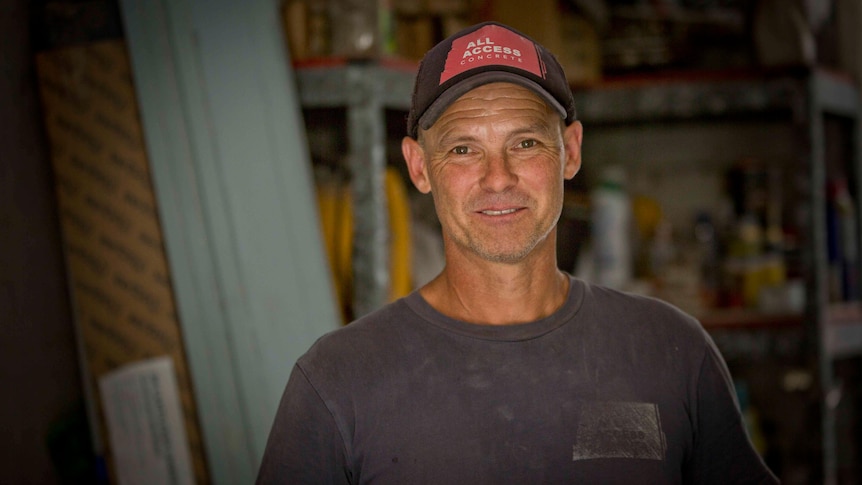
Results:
<point x="495" y="162"/>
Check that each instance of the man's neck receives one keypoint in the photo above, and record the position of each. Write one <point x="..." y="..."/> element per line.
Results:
<point x="498" y="293"/>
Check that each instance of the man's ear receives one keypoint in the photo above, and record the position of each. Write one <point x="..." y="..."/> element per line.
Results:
<point x="572" y="137"/>
<point x="414" y="155"/>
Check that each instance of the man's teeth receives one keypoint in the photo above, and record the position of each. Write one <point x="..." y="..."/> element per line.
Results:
<point x="498" y="213"/>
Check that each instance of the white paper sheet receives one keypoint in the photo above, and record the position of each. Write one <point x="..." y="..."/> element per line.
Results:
<point x="145" y="426"/>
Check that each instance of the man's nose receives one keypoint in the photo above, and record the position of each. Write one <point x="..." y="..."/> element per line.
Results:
<point x="498" y="175"/>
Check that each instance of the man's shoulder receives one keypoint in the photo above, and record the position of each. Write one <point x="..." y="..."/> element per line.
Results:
<point x="357" y="358"/>
<point x="371" y="333"/>
<point x="634" y="310"/>
<point x="660" y="335"/>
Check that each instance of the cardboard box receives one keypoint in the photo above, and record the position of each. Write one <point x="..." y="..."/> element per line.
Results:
<point x="414" y="36"/>
<point x="119" y="279"/>
<point x="581" y="55"/>
<point x="540" y="19"/>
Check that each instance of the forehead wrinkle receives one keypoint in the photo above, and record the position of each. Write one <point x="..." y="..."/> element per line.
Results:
<point x="509" y="114"/>
<point x="533" y="124"/>
<point x="476" y="108"/>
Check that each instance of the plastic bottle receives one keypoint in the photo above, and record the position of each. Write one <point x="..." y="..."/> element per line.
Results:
<point x="354" y="30"/>
<point x="708" y="252"/>
<point x="843" y="241"/>
<point x="611" y="229"/>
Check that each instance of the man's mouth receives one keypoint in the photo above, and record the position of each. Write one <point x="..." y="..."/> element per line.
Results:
<point x="498" y="212"/>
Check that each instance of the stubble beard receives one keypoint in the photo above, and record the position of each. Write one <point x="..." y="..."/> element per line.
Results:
<point x="504" y="249"/>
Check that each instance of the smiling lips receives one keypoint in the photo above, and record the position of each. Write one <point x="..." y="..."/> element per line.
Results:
<point x="503" y="212"/>
<point x="500" y="205"/>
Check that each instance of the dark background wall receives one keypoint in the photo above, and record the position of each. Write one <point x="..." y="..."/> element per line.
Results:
<point x="39" y="374"/>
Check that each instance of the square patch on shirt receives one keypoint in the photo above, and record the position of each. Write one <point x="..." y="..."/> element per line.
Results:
<point x="619" y="430"/>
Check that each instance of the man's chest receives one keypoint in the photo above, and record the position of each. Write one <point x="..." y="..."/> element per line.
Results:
<point x="517" y="431"/>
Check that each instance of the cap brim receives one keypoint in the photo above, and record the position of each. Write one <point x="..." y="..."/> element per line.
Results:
<point x="474" y="81"/>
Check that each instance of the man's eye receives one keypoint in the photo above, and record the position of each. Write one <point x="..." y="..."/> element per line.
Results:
<point x="527" y="144"/>
<point x="460" y="150"/>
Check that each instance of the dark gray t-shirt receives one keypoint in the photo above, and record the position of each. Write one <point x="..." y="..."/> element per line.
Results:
<point x="612" y="388"/>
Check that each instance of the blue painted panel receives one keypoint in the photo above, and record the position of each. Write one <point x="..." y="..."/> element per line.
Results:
<point x="232" y="175"/>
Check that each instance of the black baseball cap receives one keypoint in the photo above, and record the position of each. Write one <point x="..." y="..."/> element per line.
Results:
<point x="482" y="54"/>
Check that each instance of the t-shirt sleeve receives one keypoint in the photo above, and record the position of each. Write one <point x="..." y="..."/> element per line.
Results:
<point x="304" y="445"/>
<point x="723" y="453"/>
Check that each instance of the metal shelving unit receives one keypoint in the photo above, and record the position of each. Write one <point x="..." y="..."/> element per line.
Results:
<point x="365" y="90"/>
<point x="837" y="335"/>
<point x="802" y="99"/>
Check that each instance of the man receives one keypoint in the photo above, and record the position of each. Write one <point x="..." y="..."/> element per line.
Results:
<point x="504" y="369"/>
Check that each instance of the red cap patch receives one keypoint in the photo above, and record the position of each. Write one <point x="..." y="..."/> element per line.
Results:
<point x="491" y="46"/>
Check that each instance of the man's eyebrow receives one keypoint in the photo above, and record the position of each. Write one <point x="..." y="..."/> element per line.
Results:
<point x="540" y="128"/>
<point x="448" y="140"/>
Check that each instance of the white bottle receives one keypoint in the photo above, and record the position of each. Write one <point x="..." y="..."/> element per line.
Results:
<point x="611" y="229"/>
